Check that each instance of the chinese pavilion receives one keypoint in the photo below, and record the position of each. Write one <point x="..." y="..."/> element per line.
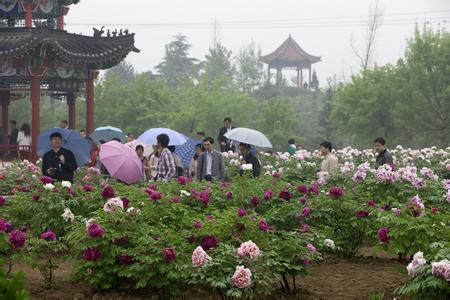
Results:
<point x="37" y="56"/>
<point x="290" y="56"/>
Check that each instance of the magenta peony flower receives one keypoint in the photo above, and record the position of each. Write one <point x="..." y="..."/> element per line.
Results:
<point x="304" y="228"/>
<point x="46" y="179"/>
<point x="2" y="200"/>
<point x="306" y="212"/>
<point x="204" y="197"/>
<point x="125" y="259"/>
<point x="229" y="195"/>
<point x="153" y="187"/>
<point x="209" y="242"/>
<point x="276" y="175"/>
<point x="285" y="194"/>
<point x="362" y="214"/>
<point x="311" y="248"/>
<point x="192" y="238"/>
<point x="224" y="185"/>
<point x="302" y="200"/>
<point x="383" y="235"/>
<point x="92" y="254"/>
<point x="48" y="236"/>
<point x="155" y="196"/>
<point x="314" y="189"/>
<point x="197" y="224"/>
<point x="169" y="254"/>
<point x="241" y="277"/>
<point x="336" y="192"/>
<point x="434" y="210"/>
<point x="88" y="188"/>
<point x="108" y="192"/>
<point x="268" y="194"/>
<point x="125" y="202"/>
<point x="248" y="249"/>
<point x="254" y="201"/>
<point x="17" y="239"/>
<point x="121" y="241"/>
<point x="5" y="226"/>
<point x="302" y="189"/>
<point x="199" y="257"/>
<point x="175" y="200"/>
<point x="241" y="212"/>
<point x="210" y="218"/>
<point x="263" y="225"/>
<point x="306" y="262"/>
<point x="94" y="230"/>
<point x="372" y="203"/>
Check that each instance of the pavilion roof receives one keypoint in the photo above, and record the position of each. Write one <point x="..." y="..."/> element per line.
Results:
<point x="289" y="54"/>
<point x="97" y="52"/>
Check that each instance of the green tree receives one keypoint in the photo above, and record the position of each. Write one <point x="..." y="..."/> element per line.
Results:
<point x="124" y="70"/>
<point x="218" y="64"/>
<point x="249" y="68"/>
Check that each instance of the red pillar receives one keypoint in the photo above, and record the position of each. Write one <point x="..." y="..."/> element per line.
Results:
<point x="90" y="105"/>
<point x="35" y="114"/>
<point x="29" y="8"/>
<point x="5" y="114"/>
<point x="60" y="21"/>
<point x="72" y="110"/>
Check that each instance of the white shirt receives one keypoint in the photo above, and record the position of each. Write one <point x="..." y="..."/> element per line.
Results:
<point x="23" y="140"/>
<point x="209" y="161"/>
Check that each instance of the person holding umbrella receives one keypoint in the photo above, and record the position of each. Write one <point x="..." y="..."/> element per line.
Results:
<point x="249" y="158"/>
<point x="58" y="163"/>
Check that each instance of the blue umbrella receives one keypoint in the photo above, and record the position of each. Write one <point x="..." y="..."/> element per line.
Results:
<point x="107" y="133"/>
<point x="149" y="137"/>
<point x="187" y="151"/>
<point x="71" y="140"/>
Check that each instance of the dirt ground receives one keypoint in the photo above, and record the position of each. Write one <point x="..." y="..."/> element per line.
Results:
<point x="333" y="279"/>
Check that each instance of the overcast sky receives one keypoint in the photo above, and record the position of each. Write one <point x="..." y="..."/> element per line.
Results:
<point x="321" y="27"/>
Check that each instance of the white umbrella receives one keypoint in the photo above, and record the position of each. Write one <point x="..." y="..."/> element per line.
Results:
<point x="149" y="137"/>
<point x="148" y="149"/>
<point x="249" y="136"/>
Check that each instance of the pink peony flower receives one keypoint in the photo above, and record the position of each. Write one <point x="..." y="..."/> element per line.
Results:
<point x="5" y="226"/>
<point x="210" y="218"/>
<point x="229" y="195"/>
<point x="241" y="212"/>
<point x="311" y="248"/>
<point x="441" y="269"/>
<point x="304" y="228"/>
<point x="94" y="230"/>
<point x="199" y="257"/>
<point x="17" y="239"/>
<point x="248" y="249"/>
<point x="268" y="194"/>
<point x="113" y="205"/>
<point x="416" y="266"/>
<point x="336" y="192"/>
<point x="383" y="235"/>
<point x="92" y="254"/>
<point x="306" y="212"/>
<point x="48" y="236"/>
<point x="285" y="194"/>
<point x="302" y="189"/>
<point x="209" y="242"/>
<point x="175" y="200"/>
<point x="197" y="224"/>
<point x="302" y="200"/>
<point x="254" y="201"/>
<point x="169" y="254"/>
<point x="241" y="277"/>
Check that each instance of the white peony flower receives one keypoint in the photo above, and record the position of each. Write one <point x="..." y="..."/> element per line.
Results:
<point x="49" y="186"/>
<point x="247" y="167"/>
<point x="68" y="215"/>
<point x="184" y="193"/>
<point x="113" y="204"/>
<point x="133" y="211"/>
<point x="329" y="243"/>
<point x="66" y="184"/>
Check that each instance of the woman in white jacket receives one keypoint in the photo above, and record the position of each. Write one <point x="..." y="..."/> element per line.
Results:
<point x="24" y="140"/>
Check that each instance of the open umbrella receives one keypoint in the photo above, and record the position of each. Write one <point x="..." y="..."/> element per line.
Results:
<point x="149" y="137"/>
<point x="187" y="151"/>
<point x="148" y="149"/>
<point x="71" y="140"/>
<point x="107" y="133"/>
<point x="121" y="162"/>
<point x="249" y="136"/>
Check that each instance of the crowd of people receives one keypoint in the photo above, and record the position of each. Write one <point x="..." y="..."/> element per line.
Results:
<point x="164" y="163"/>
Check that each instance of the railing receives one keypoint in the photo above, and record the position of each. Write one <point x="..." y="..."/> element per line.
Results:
<point x="14" y="152"/>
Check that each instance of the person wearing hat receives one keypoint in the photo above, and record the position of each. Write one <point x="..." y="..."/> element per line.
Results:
<point x="58" y="163"/>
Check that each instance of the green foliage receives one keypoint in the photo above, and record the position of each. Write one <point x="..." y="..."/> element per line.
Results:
<point x="12" y="287"/>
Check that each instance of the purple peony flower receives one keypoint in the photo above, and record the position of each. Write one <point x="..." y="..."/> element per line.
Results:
<point x="125" y="259"/>
<point x="94" y="230"/>
<point x="108" y="192"/>
<point x="276" y="175"/>
<point x="204" y="197"/>
<point x="302" y="189"/>
<point x="92" y="254"/>
<point x="263" y="225"/>
<point x="175" y="200"/>
<point x="242" y="212"/>
<point x="5" y="226"/>
<point x="285" y="194"/>
<point x="48" y="236"/>
<point x="229" y="195"/>
<point x="254" y="201"/>
<point x="311" y="248"/>
<point x="383" y="235"/>
<point x="336" y="192"/>
<point x="302" y="200"/>
<point x="209" y="242"/>
<point x="314" y="189"/>
<point x="306" y="212"/>
<point x="268" y="194"/>
<point x="2" y="200"/>
<point x="372" y="202"/>
<point x="46" y="179"/>
<point x="88" y="188"/>
<point x="17" y="239"/>
<point x="362" y="214"/>
<point x="304" y="228"/>
<point x="125" y="202"/>
<point x="169" y="254"/>
<point x="155" y="196"/>
<point x="434" y="210"/>
<point x="197" y="224"/>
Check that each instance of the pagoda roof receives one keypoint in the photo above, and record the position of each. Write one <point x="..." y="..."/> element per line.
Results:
<point x="289" y="54"/>
<point x="97" y="52"/>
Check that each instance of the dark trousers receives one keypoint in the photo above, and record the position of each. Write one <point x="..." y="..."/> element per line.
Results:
<point x="208" y="178"/>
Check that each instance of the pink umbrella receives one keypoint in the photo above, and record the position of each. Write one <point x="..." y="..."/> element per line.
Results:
<point x="121" y="161"/>
<point x="148" y="149"/>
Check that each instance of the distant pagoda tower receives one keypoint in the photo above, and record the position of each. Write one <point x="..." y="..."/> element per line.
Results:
<point x="38" y="56"/>
<point x="290" y="56"/>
